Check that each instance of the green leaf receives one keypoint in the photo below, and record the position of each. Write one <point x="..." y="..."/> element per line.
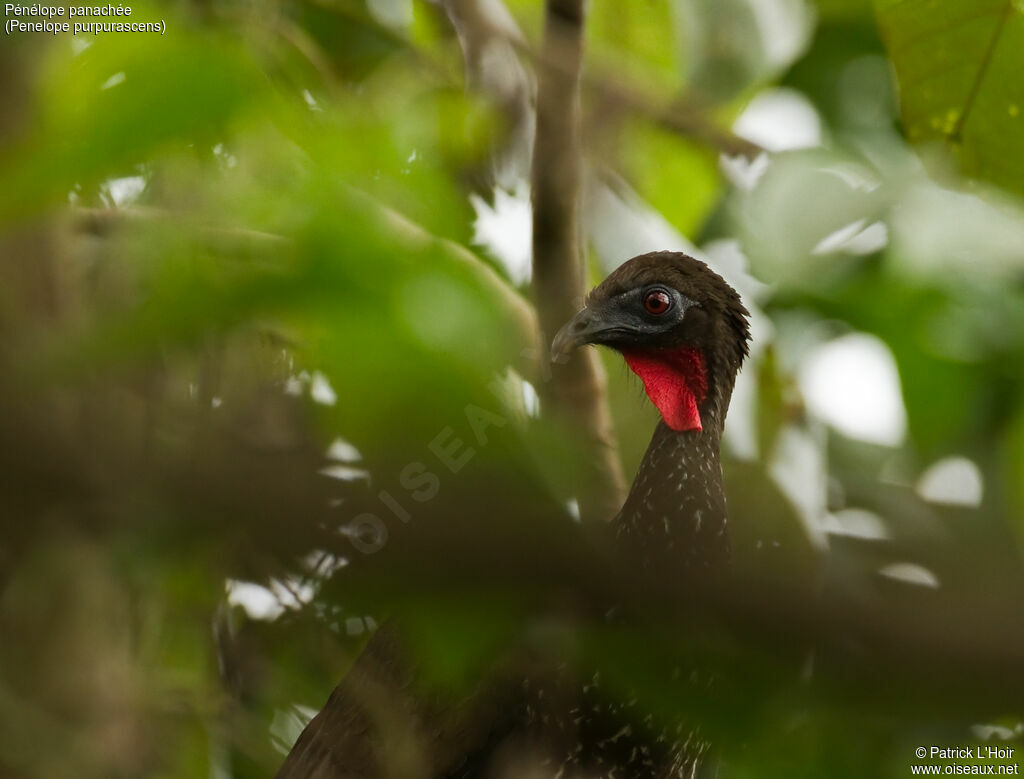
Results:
<point x="958" y="66"/>
<point x="843" y="10"/>
<point x="675" y="176"/>
<point x="638" y="40"/>
<point x="108" y="109"/>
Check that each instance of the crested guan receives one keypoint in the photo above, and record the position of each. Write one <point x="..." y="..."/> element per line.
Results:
<point x="683" y="330"/>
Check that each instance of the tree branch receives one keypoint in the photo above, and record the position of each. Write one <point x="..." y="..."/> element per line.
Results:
<point x="576" y="392"/>
<point x="679" y="116"/>
<point x="481" y="22"/>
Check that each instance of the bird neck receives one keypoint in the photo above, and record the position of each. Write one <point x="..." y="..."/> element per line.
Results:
<point x="675" y="380"/>
<point x="675" y="513"/>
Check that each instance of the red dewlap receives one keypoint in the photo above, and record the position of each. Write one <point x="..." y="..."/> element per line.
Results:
<point x="676" y="382"/>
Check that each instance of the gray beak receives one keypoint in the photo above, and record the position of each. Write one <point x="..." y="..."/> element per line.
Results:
<point x="577" y="331"/>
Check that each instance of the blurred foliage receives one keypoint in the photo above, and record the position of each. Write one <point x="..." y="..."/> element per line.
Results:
<point x="243" y="304"/>
<point x="957" y="66"/>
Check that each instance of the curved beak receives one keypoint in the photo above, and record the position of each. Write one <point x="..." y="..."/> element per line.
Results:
<point x="580" y="330"/>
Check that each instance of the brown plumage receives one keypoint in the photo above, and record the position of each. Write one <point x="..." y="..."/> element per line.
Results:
<point x="687" y="348"/>
<point x="675" y="514"/>
<point x="684" y="331"/>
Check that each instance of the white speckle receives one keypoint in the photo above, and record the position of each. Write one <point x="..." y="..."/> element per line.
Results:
<point x="854" y="176"/>
<point x="216" y="402"/>
<point x="342" y="451"/>
<point x="124" y="191"/>
<point x="257" y="601"/>
<point x="912" y="573"/>
<point x="293" y="593"/>
<point x="785" y="29"/>
<point x="780" y="120"/>
<point x="531" y="400"/>
<point x="113" y="81"/>
<point x="345" y="472"/>
<point x="989" y="732"/>
<point x="505" y="230"/>
<point x="293" y="386"/>
<point x="78" y="45"/>
<point x="798" y="467"/>
<point x="226" y="158"/>
<point x="855" y="238"/>
<point x="622" y="224"/>
<point x="320" y="390"/>
<point x="743" y="173"/>
<point x="856" y="523"/>
<point x="954" y="481"/>
<point x="573" y="507"/>
<point x="853" y="384"/>
<point x="311" y="101"/>
<point x="741" y="434"/>
<point x="322" y="563"/>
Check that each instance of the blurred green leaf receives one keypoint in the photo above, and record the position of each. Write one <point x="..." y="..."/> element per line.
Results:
<point x="106" y="109"/>
<point x="674" y="175"/>
<point x="638" y="41"/>
<point x="958" y="66"/>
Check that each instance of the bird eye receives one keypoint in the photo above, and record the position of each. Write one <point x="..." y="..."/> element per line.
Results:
<point x="657" y="302"/>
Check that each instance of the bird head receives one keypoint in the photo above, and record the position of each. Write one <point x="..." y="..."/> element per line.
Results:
<point x="680" y="327"/>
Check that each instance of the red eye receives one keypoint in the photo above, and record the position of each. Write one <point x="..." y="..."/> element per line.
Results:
<point x="657" y="302"/>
